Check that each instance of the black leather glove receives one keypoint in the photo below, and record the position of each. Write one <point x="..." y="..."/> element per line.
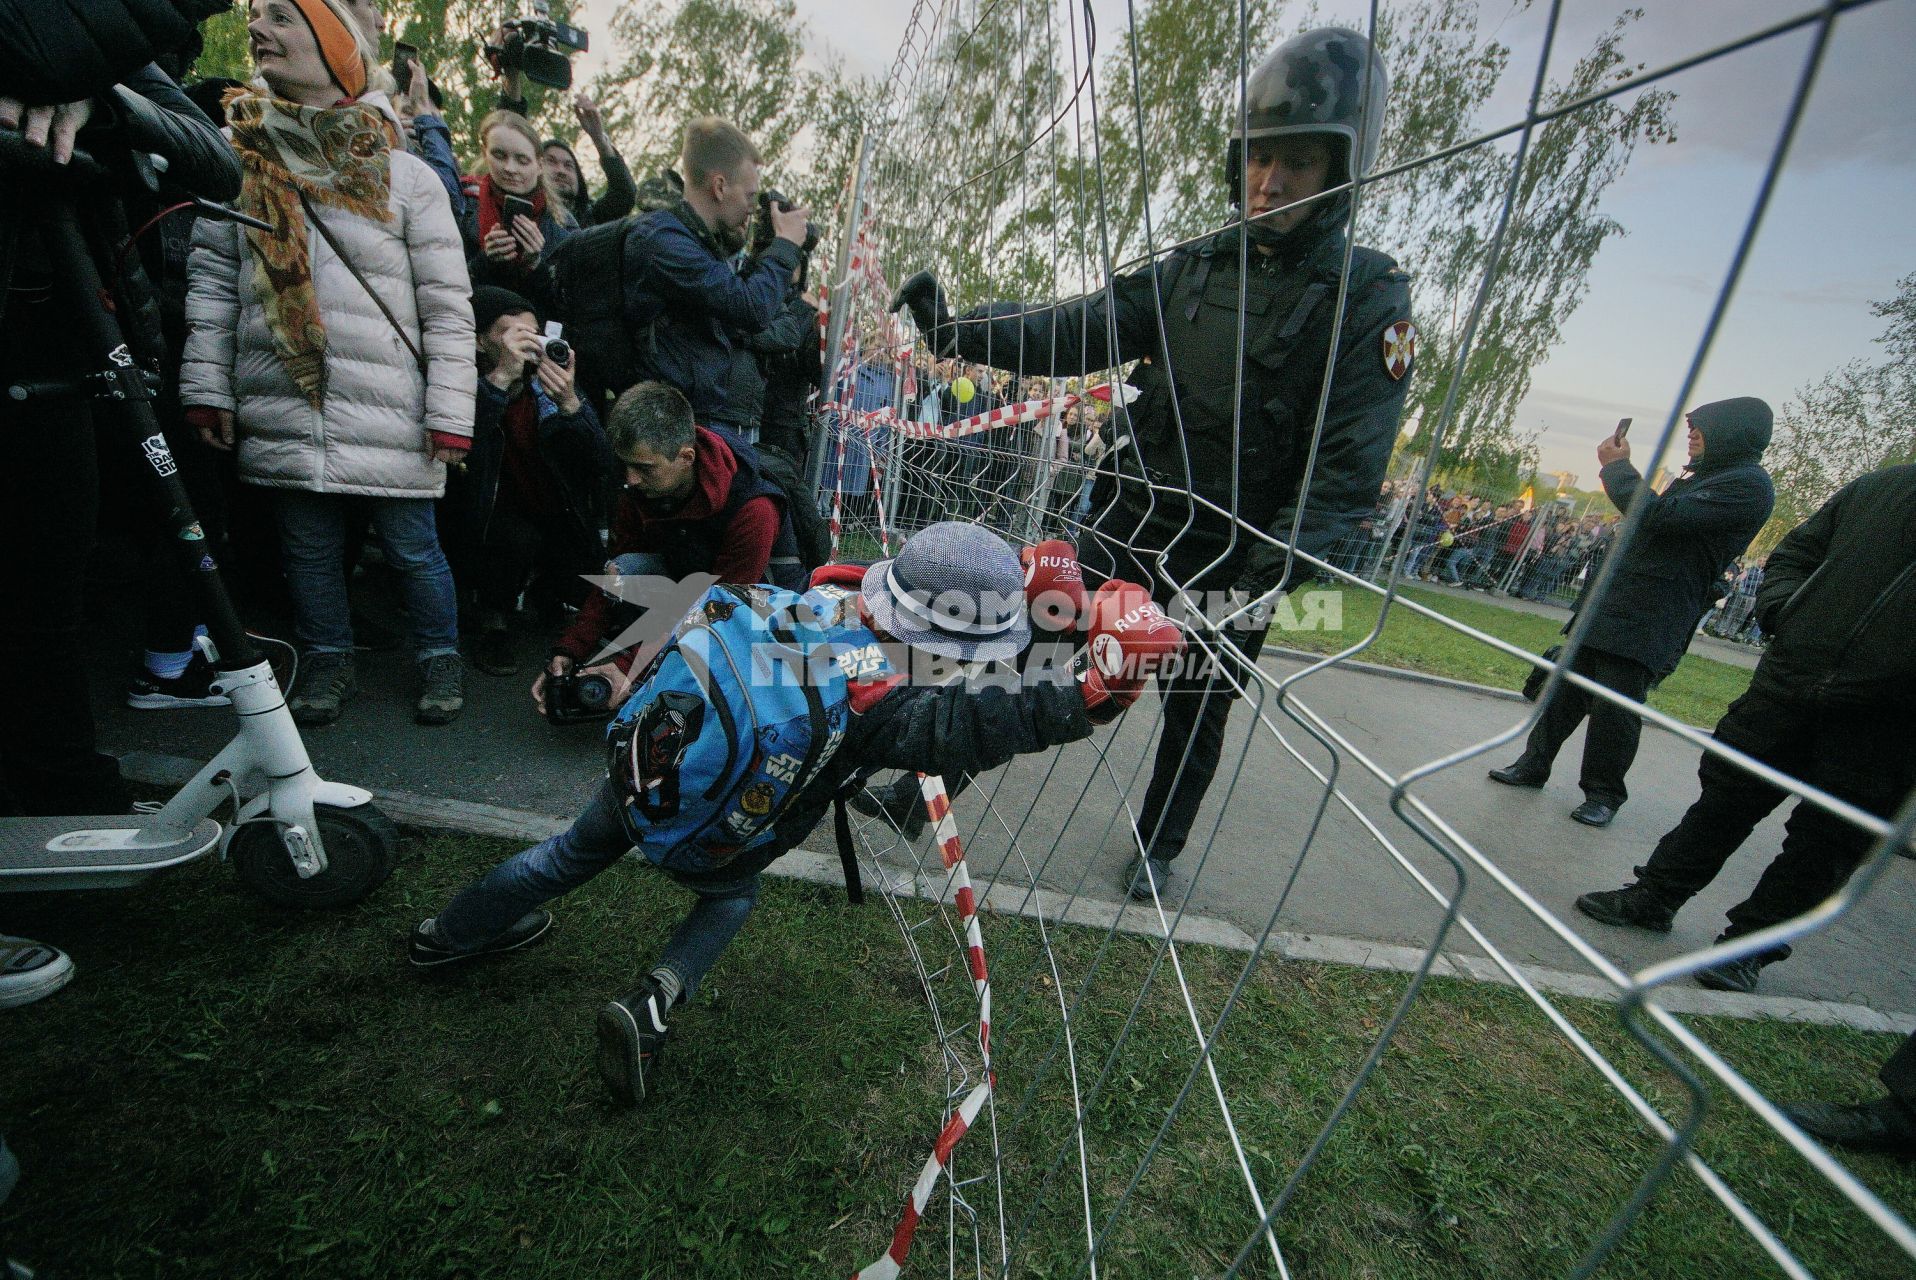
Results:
<point x="929" y="311"/>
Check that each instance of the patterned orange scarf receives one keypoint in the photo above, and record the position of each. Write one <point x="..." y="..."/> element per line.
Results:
<point x="336" y="156"/>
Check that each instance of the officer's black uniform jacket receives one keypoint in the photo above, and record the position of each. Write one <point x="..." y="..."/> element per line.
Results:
<point x="1184" y="315"/>
<point x="1838" y="601"/>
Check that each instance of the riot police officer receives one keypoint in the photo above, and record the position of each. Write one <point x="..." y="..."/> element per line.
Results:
<point x="1221" y="443"/>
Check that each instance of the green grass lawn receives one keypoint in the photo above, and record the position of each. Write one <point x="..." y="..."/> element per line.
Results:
<point x="229" y="1091"/>
<point x="1697" y="692"/>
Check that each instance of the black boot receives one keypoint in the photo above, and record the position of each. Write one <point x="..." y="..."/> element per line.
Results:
<point x="1881" y="1125"/>
<point x="1631" y="907"/>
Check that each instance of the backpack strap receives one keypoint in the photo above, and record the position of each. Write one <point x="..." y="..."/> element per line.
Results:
<point x="847" y="854"/>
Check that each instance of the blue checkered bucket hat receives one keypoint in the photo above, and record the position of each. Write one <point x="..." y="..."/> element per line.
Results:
<point x="954" y="589"/>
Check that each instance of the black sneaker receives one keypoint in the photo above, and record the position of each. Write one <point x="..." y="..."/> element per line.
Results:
<point x="631" y="1031"/>
<point x="193" y="687"/>
<point x="1733" y="975"/>
<point x="427" y="950"/>
<point x="1631" y="907"/>
<point x="904" y="810"/>
<point x="1880" y="1125"/>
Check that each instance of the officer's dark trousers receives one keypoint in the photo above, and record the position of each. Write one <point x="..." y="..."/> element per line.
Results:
<point x="1867" y="757"/>
<point x="1196" y="707"/>
<point x="1611" y="745"/>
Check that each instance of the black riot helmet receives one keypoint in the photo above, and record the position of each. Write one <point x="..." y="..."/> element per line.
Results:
<point x="1327" y="81"/>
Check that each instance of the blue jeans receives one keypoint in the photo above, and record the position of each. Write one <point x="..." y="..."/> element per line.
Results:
<point x="312" y="531"/>
<point x="1463" y="564"/>
<point x="491" y="905"/>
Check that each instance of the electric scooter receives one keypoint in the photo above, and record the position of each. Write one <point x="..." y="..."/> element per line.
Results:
<point x="295" y="840"/>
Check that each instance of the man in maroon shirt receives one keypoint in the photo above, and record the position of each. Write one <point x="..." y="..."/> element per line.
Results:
<point x="695" y="502"/>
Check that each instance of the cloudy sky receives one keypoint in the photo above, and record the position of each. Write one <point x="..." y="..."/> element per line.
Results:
<point x="1840" y="230"/>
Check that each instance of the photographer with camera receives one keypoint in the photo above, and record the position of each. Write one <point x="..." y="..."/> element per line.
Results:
<point x="417" y="102"/>
<point x="796" y="326"/>
<point x="529" y="500"/>
<point x="514" y="217"/>
<point x="696" y="501"/>
<point x="71" y="78"/>
<point x="534" y="48"/>
<point x="686" y="304"/>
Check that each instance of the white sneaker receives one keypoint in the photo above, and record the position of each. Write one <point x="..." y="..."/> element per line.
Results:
<point x="30" y="970"/>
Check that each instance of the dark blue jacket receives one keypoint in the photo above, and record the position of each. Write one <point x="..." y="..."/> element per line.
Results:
<point x="686" y="302"/>
<point x="1688" y="535"/>
<point x="432" y="142"/>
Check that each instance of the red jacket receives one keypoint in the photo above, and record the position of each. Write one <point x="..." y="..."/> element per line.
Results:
<point x="716" y="531"/>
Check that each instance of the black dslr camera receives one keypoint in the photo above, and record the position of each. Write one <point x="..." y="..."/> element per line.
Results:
<point x="577" y="698"/>
<point x="762" y="233"/>
<point x="539" y="48"/>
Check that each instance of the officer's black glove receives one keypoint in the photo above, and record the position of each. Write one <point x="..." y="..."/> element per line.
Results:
<point x="1262" y="575"/>
<point x="929" y="311"/>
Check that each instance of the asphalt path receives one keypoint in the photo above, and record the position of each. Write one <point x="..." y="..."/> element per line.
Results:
<point x="1265" y="836"/>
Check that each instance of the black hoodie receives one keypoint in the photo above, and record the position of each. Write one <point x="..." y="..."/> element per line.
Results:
<point x="1688" y="535"/>
<point x="1839" y="600"/>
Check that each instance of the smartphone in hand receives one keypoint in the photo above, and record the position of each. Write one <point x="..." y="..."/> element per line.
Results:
<point x="516" y="205"/>
<point x="403" y="56"/>
<point x="1623" y="429"/>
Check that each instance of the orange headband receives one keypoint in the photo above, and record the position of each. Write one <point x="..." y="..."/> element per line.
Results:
<point x="338" y="45"/>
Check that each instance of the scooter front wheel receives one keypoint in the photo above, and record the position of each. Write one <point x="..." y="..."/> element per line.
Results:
<point x="362" y="844"/>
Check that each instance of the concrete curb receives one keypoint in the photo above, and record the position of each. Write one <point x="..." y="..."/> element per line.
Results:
<point x="471" y="818"/>
<point x="1397" y="673"/>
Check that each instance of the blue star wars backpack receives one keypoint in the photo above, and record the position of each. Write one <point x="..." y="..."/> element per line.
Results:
<point x="742" y="709"/>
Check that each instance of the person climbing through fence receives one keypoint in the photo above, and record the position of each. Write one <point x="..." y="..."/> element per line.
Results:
<point x="713" y="776"/>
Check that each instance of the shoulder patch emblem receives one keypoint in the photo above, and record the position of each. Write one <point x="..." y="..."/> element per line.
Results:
<point x="1400" y="348"/>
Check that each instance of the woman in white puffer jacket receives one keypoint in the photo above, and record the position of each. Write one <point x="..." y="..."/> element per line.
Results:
<point x="341" y="366"/>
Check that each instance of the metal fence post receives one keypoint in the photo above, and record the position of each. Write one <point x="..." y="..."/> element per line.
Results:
<point x="841" y="295"/>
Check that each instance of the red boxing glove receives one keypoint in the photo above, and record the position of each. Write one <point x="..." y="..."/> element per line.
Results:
<point x="1130" y="638"/>
<point x="1131" y="641"/>
<point x="1054" y="587"/>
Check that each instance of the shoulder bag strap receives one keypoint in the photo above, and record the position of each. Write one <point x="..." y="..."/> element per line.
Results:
<point x="418" y="356"/>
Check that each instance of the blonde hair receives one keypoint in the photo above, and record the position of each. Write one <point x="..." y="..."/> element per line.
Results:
<point x="714" y="144"/>
<point x="501" y="119"/>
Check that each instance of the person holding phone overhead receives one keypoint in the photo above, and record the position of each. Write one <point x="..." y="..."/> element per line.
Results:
<point x="1687" y="536"/>
<point x="417" y="102"/>
<point x="514" y="219"/>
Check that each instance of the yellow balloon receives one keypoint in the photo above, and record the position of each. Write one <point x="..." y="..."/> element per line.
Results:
<point x="963" y="389"/>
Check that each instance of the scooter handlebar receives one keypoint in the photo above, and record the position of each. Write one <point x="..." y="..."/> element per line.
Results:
<point x="21" y="159"/>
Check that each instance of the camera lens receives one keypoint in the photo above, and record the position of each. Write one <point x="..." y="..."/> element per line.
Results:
<point x="559" y="351"/>
<point x="595" y="692"/>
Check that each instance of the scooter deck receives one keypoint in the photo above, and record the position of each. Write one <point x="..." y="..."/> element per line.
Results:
<point x="108" y="852"/>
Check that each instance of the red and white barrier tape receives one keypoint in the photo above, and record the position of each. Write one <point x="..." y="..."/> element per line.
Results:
<point x="945" y="831"/>
<point x="1009" y="415"/>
